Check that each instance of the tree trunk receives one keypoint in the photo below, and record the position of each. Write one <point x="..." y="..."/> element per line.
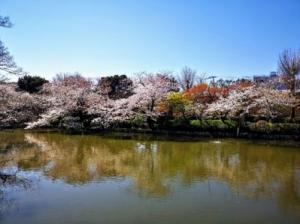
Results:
<point x="241" y="123"/>
<point x="293" y="114"/>
<point x="293" y="91"/>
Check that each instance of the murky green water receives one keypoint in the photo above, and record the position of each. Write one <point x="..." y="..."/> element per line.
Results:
<point x="90" y="179"/>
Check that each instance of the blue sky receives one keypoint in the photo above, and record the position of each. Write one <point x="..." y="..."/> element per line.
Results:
<point x="225" y="38"/>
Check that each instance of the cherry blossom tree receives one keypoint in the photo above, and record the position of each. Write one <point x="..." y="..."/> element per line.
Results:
<point x="17" y="108"/>
<point x="76" y="97"/>
<point x="154" y="87"/>
<point x="66" y="95"/>
<point x="148" y="90"/>
<point x="260" y="101"/>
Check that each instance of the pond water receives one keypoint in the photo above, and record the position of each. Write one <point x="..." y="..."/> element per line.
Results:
<point x="91" y="179"/>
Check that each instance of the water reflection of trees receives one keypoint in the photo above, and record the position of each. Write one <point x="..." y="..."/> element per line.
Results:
<point x="253" y="170"/>
<point x="9" y="173"/>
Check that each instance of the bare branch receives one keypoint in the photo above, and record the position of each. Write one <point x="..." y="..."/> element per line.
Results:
<point x="187" y="78"/>
<point x="7" y="64"/>
<point x="289" y="67"/>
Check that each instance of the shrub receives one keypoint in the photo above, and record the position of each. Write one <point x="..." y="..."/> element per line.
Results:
<point x="261" y="126"/>
<point x="198" y="124"/>
<point x="213" y="124"/>
<point x="178" y="123"/>
<point x="267" y="127"/>
<point x="230" y="123"/>
<point x="216" y="124"/>
<point x="286" y="127"/>
<point x="31" y="84"/>
<point x="195" y="123"/>
<point x="138" y="122"/>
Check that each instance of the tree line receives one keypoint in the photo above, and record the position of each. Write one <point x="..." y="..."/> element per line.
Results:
<point x="148" y="100"/>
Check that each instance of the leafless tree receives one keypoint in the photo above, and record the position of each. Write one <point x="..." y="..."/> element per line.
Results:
<point x="289" y="68"/>
<point x="7" y="64"/>
<point x="187" y="78"/>
<point x="201" y="78"/>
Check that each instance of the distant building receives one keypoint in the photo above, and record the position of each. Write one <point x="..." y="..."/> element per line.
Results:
<point x="272" y="79"/>
<point x="273" y="74"/>
<point x="265" y="78"/>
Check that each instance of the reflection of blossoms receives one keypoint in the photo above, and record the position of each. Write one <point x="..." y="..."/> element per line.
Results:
<point x="155" y="166"/>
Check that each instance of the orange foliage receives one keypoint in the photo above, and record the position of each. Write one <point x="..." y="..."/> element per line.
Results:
<point x="241" y="84"/>
<point x="204" y="93"/>
<point x="197" y="89"/>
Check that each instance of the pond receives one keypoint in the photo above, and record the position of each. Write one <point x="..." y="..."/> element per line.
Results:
<point x="62" y="178"/>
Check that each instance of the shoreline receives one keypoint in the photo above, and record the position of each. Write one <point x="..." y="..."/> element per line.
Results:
<point x="186" y="135"/>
